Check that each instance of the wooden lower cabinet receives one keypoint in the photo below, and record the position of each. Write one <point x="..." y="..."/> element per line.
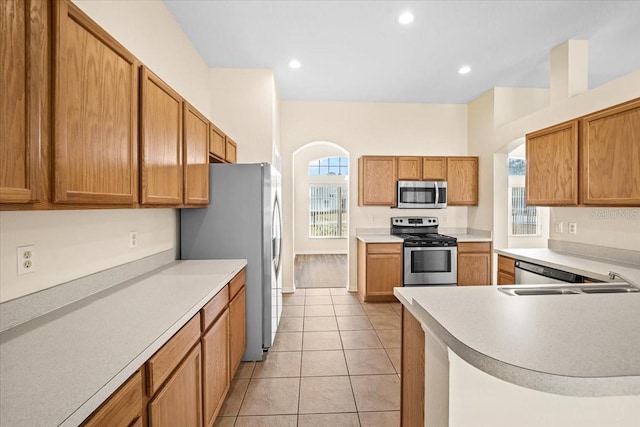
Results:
<point x="179" y="402"/>
<point x="215" y="367"/>
<point x="124" y="407"/>
<point x="412" y="372"/>
<point x="237" y="330"/>
<point x="506" y="270"/>
<point x="474" y="263"/>
<point x="379" y="270"/>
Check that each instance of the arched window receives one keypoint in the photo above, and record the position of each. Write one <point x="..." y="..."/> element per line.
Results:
<point x="329" y="166"/>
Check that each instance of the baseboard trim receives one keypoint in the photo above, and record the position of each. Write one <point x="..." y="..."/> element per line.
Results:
<point x="327" y="252"/>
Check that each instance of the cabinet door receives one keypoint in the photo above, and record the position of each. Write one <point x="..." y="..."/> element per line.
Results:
<point x="384" y="272"/>
<point x="237" y="330"/>
<point x="95" y="113"/>
<point x="505" y="278"/>
<point x="412" y="371"/>
<point x="215" y="367"/>
<point x="434" y="168"/>
<point x="474" y="263"/>
<point x="462" y="181"/>
<point x="160" y="142"/>
<point x="409" y="168"/>
<point x="217" y="143"/>
<point x="231" y="150"/>
<point x="123" y="408"/>
<point x="377" y="181"/>
<point x="196" y="157"/>
<point x="610" y="174"/>
<point x="179" y="402"/>
<point x="552" y="166"/>
<point x="22" y="104"/>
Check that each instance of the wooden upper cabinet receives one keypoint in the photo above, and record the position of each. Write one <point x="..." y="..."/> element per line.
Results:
<point x="95" y="113"/>
<point x="552" y="165"/>
<point x="231" y="150"/>
<point x="462" y="181"/>
<point x="377" y="180"/>
<point x="22" y="104"/>
<point x="160" y="142"/>
<point x="610" y="171"/>
<point x="434" y="168"/>
<point x="217" y="143"/>
<point x="196" y="157"/>
<point x="409" y="168"/>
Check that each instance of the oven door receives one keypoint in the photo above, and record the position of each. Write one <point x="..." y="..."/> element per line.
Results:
<point x="427" y="266"/>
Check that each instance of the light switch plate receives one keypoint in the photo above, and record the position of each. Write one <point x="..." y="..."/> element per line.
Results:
<point x="558" y="227"/>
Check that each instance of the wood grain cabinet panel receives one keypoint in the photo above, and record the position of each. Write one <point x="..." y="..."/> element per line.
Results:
<point x="217" y="143"/>
<point x="237" y="330"/>
<point x="506" y="270"/>
<point x="434" y="168"/>
<point x="379" y="270"/>
<point x="462" y="181"/>
<point x="412" y="371"/>
<point x="409" y="168"/>
<point x="231" y="150"/>
<point x="179" y="402"/>
<point x="122" y="409"/>
<point x="23" y="102"/>
<point x="474" y="263"/>
<point x="552" y="165"/>
<point x="160" y="142"/>
<point x="610" y="171"/>
<point x="377" y="177"/>
<point x="196" y="157"/>
<point x="95" y="113"/>
<point x="215" y="367"/>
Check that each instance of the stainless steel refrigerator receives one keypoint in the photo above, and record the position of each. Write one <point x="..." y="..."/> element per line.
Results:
<point x="242" y="221"/>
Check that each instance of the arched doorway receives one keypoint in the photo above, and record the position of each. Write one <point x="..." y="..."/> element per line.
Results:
<point x="320" y="195"/>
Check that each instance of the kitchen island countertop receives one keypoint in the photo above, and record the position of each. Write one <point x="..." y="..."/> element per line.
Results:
<point x="58" y="368"/>
<point x="575" y="345"/>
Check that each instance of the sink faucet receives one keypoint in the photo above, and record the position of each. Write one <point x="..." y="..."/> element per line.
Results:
<point x="613" y="275"/>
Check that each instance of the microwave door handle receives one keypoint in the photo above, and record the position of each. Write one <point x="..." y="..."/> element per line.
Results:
<point x="435" y="188"/>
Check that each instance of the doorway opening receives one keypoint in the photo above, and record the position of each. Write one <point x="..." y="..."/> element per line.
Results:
<point x="321" y="215"/>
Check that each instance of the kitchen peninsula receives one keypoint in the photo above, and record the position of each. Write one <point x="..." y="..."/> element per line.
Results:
<point x="493" y="359"/>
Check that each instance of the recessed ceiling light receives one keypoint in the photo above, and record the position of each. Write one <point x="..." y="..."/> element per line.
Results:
<point x="295" y="64"/>
<point x="464" y="69"/>
<point x="405" y="18"/>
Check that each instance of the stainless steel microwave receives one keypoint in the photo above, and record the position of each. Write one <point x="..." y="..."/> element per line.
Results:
<point x="422" y="194"/>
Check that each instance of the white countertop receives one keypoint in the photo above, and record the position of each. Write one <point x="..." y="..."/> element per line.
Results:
<point x="57" y="369"/>
<point x="585" y="266"/>
<point x="580" y="345"/>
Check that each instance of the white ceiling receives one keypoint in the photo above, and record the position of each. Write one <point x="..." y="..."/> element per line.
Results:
<point x="356" y="50"/>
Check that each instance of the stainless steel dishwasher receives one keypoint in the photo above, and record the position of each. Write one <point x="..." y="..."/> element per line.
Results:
<point x="534" y="274"/>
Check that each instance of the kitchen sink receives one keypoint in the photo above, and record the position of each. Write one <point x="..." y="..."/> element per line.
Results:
<point x="568" y="289"/>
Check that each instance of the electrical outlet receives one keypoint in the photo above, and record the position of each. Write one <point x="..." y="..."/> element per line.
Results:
<point x="573" y="228"/>
<point x="133" y="239"/>
<point x="26" y="259"/>
<point x="558" y="227"/>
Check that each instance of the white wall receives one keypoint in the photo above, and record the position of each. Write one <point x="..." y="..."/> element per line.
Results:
<point x="303" y="243"/>
<point x="370" y="129"/>
<point x="72" y="244"/>
<point x="244" y="104"/>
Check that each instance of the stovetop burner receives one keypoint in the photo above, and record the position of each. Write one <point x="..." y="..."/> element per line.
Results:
<point x="420" y="231"/>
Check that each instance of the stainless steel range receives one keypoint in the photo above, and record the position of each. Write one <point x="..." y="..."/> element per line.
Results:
<point x="430" y="259"/>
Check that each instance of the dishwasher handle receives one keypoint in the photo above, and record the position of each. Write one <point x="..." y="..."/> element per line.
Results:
<point x="554" y="273"/>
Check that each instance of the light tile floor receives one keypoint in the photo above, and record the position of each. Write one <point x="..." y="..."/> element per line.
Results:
<point x="334" y="362"/>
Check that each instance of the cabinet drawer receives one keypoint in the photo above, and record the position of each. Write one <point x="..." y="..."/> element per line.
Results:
<point x="507" y="265"/>
<point x="237" y="283"/>
<point x="122" y="408"/>
<point x="214" y="307"/>
<point x="161" y="364"/>
<point x="477" y="247"/>
<point x="384" y="248"/>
